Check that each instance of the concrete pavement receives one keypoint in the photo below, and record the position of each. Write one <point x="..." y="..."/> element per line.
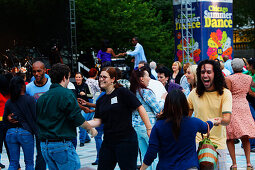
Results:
<point x="87" y="156"/>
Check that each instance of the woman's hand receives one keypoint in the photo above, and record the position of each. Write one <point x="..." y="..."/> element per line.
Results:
<point x="144" y="166"/>
<point x="10" y="119"/>
<point x="82" y="93"/>
<point x="163" y="97"/>
<point x="216" y="121"/>
<point x="148" y="132"/>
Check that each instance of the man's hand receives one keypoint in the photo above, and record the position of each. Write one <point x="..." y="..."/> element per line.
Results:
<point x="10" y="119"/>
<point x="93" y="132"/>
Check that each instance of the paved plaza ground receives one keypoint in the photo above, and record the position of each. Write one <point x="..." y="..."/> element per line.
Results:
<point x="87" y="155"/>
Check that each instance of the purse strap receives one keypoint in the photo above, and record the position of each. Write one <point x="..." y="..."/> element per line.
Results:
<point x="208" y="131"/>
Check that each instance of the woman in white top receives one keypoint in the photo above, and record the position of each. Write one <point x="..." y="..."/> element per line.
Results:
<point x="92" y="82"/>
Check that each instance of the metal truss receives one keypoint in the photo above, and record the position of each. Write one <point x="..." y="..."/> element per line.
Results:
<point x="187" y="31"/>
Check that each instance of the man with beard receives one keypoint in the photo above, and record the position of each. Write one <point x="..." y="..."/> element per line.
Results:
<point x="211" y="99"/>
<point x="36" y="88"/>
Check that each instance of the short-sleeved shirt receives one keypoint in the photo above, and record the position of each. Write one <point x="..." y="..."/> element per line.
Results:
<point x="157" y="87"/>
<point x="115" y="111"/>
<point x="36" y="91"/>
<point x="58" y="114"/>
<point x="211" y="105"/>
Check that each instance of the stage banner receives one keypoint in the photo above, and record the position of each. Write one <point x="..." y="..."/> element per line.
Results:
<point x="212" y="24"/>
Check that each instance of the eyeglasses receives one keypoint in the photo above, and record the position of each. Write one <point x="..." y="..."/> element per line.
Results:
<point x="103" y="77"/>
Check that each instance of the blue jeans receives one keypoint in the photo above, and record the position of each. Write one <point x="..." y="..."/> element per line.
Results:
<point x="83" y="133"/>
<point x="39" y="162"/>
<point x="60" y="155"/>
<point x="74" y="142"/>
<point x="143" y="143"/>
<point x="98" y="139"/>
<point x="16" y="138"/>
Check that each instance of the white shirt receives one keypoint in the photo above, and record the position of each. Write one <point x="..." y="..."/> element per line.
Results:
<point x="138" y="53"/>
<point x="70" y="86"/>
<point x="158" y="88"/>
<point x="154" y="73"/>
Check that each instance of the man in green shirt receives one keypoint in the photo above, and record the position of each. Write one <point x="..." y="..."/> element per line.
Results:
<point x="58" y="115"/>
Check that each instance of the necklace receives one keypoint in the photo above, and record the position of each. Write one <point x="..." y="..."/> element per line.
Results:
<point x="111" y="91"/>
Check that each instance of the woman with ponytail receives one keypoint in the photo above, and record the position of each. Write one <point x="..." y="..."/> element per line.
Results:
<point x="114" y="110"/>
<point x="19" y="114"/>
<point x="173" y="135"/>
<point x="138" y="85"/>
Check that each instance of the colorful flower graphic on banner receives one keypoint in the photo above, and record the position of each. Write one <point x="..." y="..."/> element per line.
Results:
<point x="195" y="52"/>
<point x="219" y="45"/>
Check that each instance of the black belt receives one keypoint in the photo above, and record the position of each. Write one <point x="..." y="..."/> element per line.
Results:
<point x="55" y="140"/>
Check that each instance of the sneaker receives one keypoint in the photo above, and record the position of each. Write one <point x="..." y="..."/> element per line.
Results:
<point x="95" y="163"/>
<point x="81" y="144"/>
<point x="2" y="166"/>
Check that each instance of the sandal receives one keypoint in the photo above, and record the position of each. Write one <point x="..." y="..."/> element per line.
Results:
<point x="250" y="167"/>
<point x="233" y="168"/>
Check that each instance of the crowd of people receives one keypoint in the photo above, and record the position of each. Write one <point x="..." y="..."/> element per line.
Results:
<point x="158" y="117"/>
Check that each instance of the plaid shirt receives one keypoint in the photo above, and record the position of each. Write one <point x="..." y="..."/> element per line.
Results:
<point x="151" y="105"/>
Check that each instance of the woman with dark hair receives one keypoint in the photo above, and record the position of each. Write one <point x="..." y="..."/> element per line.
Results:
<point x="173" y="136"/>
<point x="114" y="109"/>
<point x="82" y="91"/>
<point x="250" y="66"/>
<point x="94" y="88"/>
<point x="19" y="114"/>
<point x="92" y="82"/>
<point x="242" y="125"/>
<point x="251" y="72"/>
<point x="105" y="54"/>
<point x="138" y="85"/>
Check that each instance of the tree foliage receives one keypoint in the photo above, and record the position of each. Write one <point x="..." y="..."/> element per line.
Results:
<point x="119" y="21"/>
<point x="243" y="13"/>
<point x="39" y="21"/>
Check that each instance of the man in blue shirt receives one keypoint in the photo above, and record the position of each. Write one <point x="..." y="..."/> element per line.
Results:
<point x="227" y="64"/>
<point x="36" y="88"/>
<point x="138" y="53"/>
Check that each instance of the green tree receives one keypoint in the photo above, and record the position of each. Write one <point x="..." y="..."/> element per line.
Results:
<point x="119" y="21"/>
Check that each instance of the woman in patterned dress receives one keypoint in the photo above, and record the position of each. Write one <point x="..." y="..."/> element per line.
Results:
<point x="242" y="125"/>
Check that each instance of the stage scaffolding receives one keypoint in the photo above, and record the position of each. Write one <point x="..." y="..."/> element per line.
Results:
<point x="187" y="30"/>
<point x="73" y="35"/>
